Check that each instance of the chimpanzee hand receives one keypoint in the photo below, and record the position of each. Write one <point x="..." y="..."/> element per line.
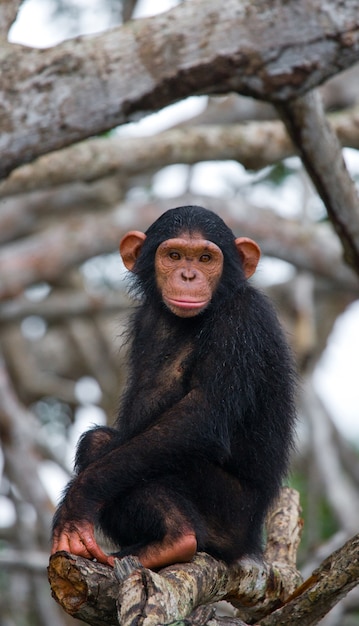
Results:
<point x="74" y="532"/>
<point x="78" y="538"/>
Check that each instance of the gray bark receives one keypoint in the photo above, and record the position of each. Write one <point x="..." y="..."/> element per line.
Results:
<point x="322" y="156"/>
<point x="8" y="13"/>
<point x="52" y="98"/>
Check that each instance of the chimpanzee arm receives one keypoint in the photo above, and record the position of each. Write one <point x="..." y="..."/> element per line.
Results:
<point x="178" y="436"/>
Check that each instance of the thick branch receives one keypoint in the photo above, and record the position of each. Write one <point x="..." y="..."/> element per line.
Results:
<point x="83" y="588"/>
<point x="328" y="584"/>
<point x="91" y="591"/>
<point x="47" y="96"/>
<point x="254" y="145"/>
<point x="64" y="303"/>
<point x="322" y="156"/>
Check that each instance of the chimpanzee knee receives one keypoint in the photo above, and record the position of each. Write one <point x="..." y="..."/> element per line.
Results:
<point x="93" y="445"/>
<point x="156" y="511"/>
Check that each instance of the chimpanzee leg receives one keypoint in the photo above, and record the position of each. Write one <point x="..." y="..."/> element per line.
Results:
<point x="167" y="520"/>
<point x="232" y="512"/>
<point x="154" y="523"/>
<point x="93" y="445"/>
<point x="204" y="508"/>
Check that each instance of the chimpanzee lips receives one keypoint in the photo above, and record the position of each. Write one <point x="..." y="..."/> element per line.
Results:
<point x="186" y="303"/>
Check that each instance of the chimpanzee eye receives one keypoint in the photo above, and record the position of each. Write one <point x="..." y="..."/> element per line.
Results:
<point x="174" y="256"/>
<point x="205" y="258"/>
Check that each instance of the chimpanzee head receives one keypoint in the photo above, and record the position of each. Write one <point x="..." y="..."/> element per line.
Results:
<point x="188" y="256"/>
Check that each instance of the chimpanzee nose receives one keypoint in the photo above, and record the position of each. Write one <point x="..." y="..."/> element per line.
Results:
<point x="188" y="274"/>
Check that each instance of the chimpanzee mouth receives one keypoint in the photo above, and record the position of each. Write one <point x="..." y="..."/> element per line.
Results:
<point x="186" y="303"/>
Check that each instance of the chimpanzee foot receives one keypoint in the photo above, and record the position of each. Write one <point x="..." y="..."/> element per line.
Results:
<point x="156" y="556"/>
<point x="168" y="552"/>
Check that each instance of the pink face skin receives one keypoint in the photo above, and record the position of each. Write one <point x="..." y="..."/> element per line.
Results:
<point x="188" y="270"/>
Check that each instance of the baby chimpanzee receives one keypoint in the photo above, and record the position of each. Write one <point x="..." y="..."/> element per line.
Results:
<point x="202" y="440"/>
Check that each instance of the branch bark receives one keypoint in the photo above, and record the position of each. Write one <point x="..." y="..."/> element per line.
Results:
<point x="8" y="13"/>
<point x="91" y="592"/>
<point x="64" y="303"/>
<point x="198" y="47"/>
<point x="322" y="156"/>
<point x="328" y="584"/>
<point x="254" y="144"/>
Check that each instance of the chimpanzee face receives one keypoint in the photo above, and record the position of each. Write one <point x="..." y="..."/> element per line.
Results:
<point x="188" y="270"/>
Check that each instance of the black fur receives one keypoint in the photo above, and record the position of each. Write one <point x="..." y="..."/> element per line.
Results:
<point x="206" y="425"/>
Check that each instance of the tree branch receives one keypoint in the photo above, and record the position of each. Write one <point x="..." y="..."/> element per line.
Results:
<point x="146" y="597"/>
<point x="341" y="492"/>
<point x="8" y="13"/>
<point x="17" y="426"/>
<point x="64" y="303"/>
<point x="196" y="48"/>
<point x="130" y="594"/>
<point x="322" y="156"/>
<point x="255" y="145"/>
<point x="328" y="584"/>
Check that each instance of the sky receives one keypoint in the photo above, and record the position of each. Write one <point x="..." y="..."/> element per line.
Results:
<point x="336" y="377"/>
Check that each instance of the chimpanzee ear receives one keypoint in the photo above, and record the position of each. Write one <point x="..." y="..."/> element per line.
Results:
<point x="250" y="253"/>
<point x="130" y="247"/>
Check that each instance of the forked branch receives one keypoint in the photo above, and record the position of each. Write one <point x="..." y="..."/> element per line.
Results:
<point x="265" y="593"/>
